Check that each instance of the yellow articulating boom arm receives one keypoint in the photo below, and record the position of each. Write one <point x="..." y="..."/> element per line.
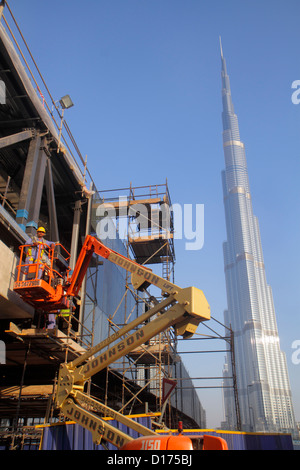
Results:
<point x="183" y="309"/>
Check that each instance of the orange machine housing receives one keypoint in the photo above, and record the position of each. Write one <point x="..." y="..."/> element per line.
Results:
<point x="179" y="442"/>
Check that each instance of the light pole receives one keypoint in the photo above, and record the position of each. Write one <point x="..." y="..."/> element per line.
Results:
<point x="65" y="103"/>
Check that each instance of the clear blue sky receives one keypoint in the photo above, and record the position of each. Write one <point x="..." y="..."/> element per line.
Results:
<point x="145" y="79"/>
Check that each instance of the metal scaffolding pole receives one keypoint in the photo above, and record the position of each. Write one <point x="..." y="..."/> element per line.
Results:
<point x="235" y="388"/>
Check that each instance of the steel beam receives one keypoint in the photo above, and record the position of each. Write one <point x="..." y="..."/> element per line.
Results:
<point x="54" y="234"/>
<point x="15" y="138"/>
<point x="39" y="179"/>
<point x="75" y="234"/>
<point x="28" y="212"/>
<point x="28" y="181"/>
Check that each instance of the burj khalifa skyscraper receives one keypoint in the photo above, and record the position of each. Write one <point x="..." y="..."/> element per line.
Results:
<point x="264" y="394"/>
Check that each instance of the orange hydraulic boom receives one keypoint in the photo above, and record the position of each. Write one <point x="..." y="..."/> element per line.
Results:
<point x="54" y="290"/>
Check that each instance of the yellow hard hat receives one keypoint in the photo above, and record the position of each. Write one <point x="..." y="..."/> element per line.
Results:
<point x="41" y="229"/>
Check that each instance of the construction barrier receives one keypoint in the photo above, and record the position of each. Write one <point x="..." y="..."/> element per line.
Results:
<point x="248" y="441"/>
<point x="75" y="437"/>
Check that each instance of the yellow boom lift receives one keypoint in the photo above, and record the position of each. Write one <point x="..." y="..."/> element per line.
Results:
<point x="181" y="308"/>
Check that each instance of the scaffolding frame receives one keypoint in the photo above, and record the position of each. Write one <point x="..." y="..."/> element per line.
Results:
<point x="144" y="213"/>
<point x="155" y="359"/>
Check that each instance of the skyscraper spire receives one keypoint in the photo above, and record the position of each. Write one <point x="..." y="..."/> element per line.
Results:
<point x="221" y="49"/>
<point x="263" y="385"/>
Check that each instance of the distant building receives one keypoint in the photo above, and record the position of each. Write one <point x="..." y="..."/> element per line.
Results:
<point x="262" y="378"/>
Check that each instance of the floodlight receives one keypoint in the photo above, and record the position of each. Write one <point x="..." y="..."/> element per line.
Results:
<point x="66" y="102"/>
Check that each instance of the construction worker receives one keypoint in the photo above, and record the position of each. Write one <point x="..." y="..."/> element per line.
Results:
<point x="63" y="318"/>
<point x="37" y="251"/>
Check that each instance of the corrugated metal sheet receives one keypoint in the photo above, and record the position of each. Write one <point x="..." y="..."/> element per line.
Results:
<point x="75" y="437"/>
<point x="251" y="441"/>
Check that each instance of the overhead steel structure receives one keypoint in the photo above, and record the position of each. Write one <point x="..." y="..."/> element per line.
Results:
<point x="41" y="183"/>
<point x="144" y="219"/>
